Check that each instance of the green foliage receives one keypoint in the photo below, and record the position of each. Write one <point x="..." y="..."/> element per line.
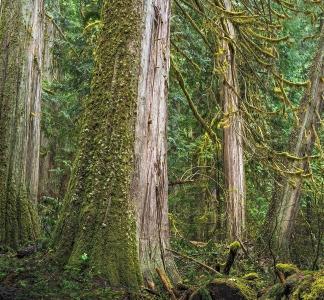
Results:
<point x="48" y="210"/>
<point x="38" y="278"/>
<point x="68" y="82"/>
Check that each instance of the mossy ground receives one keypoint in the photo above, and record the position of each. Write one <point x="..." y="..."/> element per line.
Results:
<point x="39" y="277"/>
<point x="36" y="277"/>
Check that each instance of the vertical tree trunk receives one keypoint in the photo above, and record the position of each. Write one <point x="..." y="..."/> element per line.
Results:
<point x="47" y="184"/>
<point x="232" y="141"/>
<point x="150" y="180"/>
<point x="121" y="165"/>
<point x="21" y="30"/>
<point x="302" y="143"/>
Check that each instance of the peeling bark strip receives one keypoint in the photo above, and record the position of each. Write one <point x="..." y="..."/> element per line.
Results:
<point x="150" y="180"/>
<point x="232" y="142"/>
<point x="121" y="163"/>
<point x="302" y="144"/>
<point x="21" y="30"/>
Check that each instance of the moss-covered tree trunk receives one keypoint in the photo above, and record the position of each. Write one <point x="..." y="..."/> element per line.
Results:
<point x="286" y="198"/>
<point x="232" y="141"/>
<point x="21" y="23"/>
<point x="115" y="209"/>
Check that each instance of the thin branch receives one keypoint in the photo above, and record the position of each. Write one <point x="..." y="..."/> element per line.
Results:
<point x="195" y="261"/>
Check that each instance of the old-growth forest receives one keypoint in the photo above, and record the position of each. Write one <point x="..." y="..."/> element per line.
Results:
<point x="161" y="149"/>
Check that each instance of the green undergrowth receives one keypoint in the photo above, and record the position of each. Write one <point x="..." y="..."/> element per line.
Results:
<point x="305" y="285"/>
<point x="37" y="277"/>
<point x="214" y="255"/>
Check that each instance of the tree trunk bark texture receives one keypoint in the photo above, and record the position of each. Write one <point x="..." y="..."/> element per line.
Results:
<point x="115" y="209"/>
<point x="21" y="34"/>
<point x="302" y="144"/>
<point x="232" y="140"/>
<point x="48" y="185"/>
<point x="150" y="180"/>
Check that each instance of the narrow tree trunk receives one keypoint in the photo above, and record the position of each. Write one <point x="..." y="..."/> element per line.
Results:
<point x="232" y="141"/>
<point x="121" y="165"/>
<point x="48" y="186"/>
<point x="21" y="31"/>
<point x="302" y="143"/>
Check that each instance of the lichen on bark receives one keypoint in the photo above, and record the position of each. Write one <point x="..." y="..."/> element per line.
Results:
<point x="20" y="32"/>
<point x="98" y="217"/>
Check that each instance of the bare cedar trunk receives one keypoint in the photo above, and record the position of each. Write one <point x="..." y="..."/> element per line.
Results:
<point x="115" y="210"/>
<point x="150" y="180"/>
<point x="302" y="144"/>
<point x="21" y="23"/>
<point x="232" y="141"/>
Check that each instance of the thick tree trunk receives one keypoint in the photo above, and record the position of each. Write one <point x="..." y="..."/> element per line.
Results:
<point x="232" y="141"/>
<point x="302" y="143"/>
<point x="21" y="28"/>
<point x="121" y="164"/>
<point x="150" y="181"/>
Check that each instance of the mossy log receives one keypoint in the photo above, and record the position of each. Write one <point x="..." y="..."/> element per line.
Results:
<point x="225" y="288"/>
<point x="287" y="269"/>
<point x="231" y="288"/>
<point x="301" y="285"/>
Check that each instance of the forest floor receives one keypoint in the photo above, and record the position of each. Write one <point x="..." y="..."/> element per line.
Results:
<point x="36" y="276"/>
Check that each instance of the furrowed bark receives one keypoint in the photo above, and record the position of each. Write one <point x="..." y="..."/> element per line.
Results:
<point x="232" y="140"/>
<point x="21" y="33"/>
<point x="150" y="181"/>
<point x="48" y="183"/>
<point x="115" y="210"/>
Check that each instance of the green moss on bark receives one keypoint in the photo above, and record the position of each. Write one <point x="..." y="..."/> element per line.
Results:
<point x="235" y="246"/>
<point x="98" y="217"/>
<point x="18" y="218"/>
